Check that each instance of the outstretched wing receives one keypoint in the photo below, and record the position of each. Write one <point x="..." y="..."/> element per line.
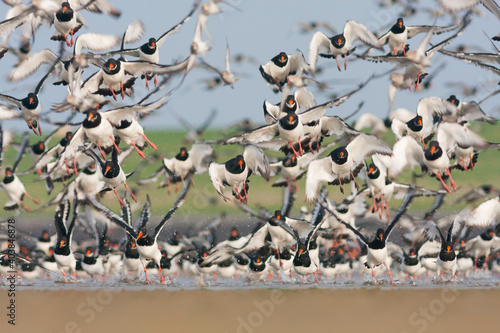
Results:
<point x="257" y="161"/>
<point x="177" y="204"/>
<point x="319" y="172"/>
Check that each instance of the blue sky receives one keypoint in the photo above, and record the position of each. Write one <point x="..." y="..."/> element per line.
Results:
<point x="262" y="29"/>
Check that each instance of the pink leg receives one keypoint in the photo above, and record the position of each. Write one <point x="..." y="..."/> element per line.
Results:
<point x="338" y="65"/>
<point x="463" y="164"/>
<point x="293" y="149"/>
<point x="129" y="191"/>
<point x="146" y="273"/>
<point x="114" y="144"/>
<point x="113" y="92"/>
<point x="141" y="154"/>
<point x="442" y="182"/>
<point x="121" y="90"/>
<point x="423" y="142"/>
<point x="29" y="196"/>
<point x="162" y="280"/>
<point x="451" y="180"/>
<point x="119" y="199"/>
<point x="150" y="143"/>
<point x="100" y="149"/>
<point x="40" y="127"/>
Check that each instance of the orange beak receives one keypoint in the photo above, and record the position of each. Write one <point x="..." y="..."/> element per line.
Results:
<point x="233" y="233"/>
<point x="278" y="217"/>
<point x="89" y="252"/>
<point x="371" y="170"/>
<point x="110" y="66"/>
<point x="420" y="122"/>
<point x="400" y="24"/>
<point x="257" y="260"/>
<point x="491" y="233"/>
<point x="139" y="236"/>
<point x="62" y="243"/>
<point x="341" y="154"/>
<point x="65" y="9"/>
<point x="90" y="115"/>
<point x="204" y="255"/>
<point x="31" y="100"/>
<point x="107" y="170"/>
<point x="300" y="251"/>
<point x="448" y="248"/>
<point x="241" y="164"/>
<point x="282" y="58"/>
<point x="290" y="119"/>
<point x="380" y="236"/>
<point x="133" y="245"/>
<point x="339" y="40"/>
<point x="433" y="149"/>
<point x="153" y="44"/>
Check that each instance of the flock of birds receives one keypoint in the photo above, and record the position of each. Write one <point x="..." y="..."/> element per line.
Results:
<point x="325" y="241"/>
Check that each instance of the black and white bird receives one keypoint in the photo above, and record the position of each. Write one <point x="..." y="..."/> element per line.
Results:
<point x="377" y="248"/>
<point x="340" y="45"/>
<point x="422" y="126"/>
<point x="276" y="71"/>
<point x="29" y="106"/>
<point x="116" y="76"/>
<point x="343" y="164"/>
<point x="63" y="252"/>
<point x="146" y="244"/>
<point x="292" y="168"/>
<point x="91" y="41"/>
<point x="11" y="184"/>
<point x="399" y="34"/>
<point x="176" y="169"/>
<point x="470" y="111"/>
<point x="235" y="172"/>
<point x="150" y="51"/>
<point x="113" y="175"/>
<point x="298" y="132"/>
<point x="446" y="262"/>
<point x="407" y="153"/>
<point x="226" y="75"/>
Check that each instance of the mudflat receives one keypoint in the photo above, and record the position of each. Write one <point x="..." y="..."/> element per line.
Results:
<point x="371" y="309"/>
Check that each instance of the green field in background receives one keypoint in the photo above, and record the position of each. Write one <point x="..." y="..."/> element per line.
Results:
<point x="203" y="200"/>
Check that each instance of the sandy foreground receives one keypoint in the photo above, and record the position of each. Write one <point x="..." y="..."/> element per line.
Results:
<point x="255" y="310"/>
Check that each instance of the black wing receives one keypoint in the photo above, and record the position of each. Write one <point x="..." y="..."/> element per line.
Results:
<point x="350" y="227"/>
<point x="318" y="212"/>
<point x="401" y="211"/>
<point x="73" y="220"/>
<point x="437" y="203"/>
<point x="312" y="233"/>
<point x="288" y="201"/>
<point x="113" y="217"/>
<point x="40" y="84"/>
<point x="176" y="27"/>
<point x="62" y="212"/>
<point x="450" y="232"/>
<point x="145" y="214"/>
<point x="177" y="204"/>
<point x="22" y="150"/>
<point x="127" y="212"/>
<point x="97" y="158"/>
